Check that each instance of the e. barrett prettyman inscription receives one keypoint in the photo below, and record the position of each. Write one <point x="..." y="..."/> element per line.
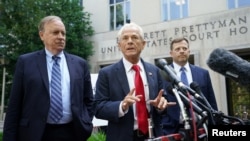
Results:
<point x="223" y="28"/>
<point x="211" y="30"/>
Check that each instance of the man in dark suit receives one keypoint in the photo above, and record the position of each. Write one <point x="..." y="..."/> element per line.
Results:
<point x="116" y="97"/>
<point x="179" y="50"/>
<point x="29" y="109"/>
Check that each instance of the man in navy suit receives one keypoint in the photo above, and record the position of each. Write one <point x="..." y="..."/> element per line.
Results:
<point x="179" y="50"/>
<point x="27" y="117"/>
<point x="115" y="97"/>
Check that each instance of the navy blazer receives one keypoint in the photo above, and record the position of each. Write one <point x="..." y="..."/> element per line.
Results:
<point x="201" y="76"/>
<point x="111" y="88"/>
<point x="29" y="99"/>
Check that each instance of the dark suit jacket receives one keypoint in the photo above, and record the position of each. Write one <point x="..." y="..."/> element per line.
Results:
<point x="170" y="120"/>
<point x="111" y="88"/>
<point x="29" y="99"/>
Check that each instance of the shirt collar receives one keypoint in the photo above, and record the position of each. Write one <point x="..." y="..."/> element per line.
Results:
<point x="49" y="55"/>
<point x="178" y="67"/>
<point x="128" y="65"/>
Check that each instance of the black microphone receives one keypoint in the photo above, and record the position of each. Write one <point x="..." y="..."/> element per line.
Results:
<point x="170" y="75"/>
<point x="230" y="65"/>
<point x="195" y="86"/>
<point x="209" y="108"/>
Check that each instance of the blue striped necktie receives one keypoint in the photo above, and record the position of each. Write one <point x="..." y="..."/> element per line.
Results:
<point x="56" y="109"/>
<point x="185" y="81"/>
<point x="184" y="76"/>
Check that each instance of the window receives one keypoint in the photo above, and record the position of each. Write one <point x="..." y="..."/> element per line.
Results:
<point x="232" y="4"/>
<point x="238" y="96"/>
<point x="119" y="13"/>
<point x="174" y="9"/>
<point x="81" y="2"/>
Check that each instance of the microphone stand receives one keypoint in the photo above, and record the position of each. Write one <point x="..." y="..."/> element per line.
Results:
<point x="150" y="129"/>
<point x="202" y="118"/>
<point x="222" y="119"/>
<point x="197" y="109"/>
<point x="186" y="132"/>
<point x="182" y="108"/>
<point x="207" y="108"/>
<point x="217" y="117"/>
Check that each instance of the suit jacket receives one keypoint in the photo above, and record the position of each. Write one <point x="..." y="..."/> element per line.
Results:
<point x="111" y="88"/>
<point x="170" y="120"/>
<point x="30" y="99"/>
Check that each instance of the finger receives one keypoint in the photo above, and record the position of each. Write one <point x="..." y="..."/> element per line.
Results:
<point x="128" y="100"/>
<point x="171" y="103"/>
<point x="160" y="94"/>
<point x="138" y="97"/>
<point x="131" y="92"/>
<point x="162" y="103"/>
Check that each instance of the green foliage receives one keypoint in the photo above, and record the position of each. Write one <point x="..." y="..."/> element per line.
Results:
<point x="97" y="136"/>
<point x="19" y="27"/>
<point x="19" y="20"/>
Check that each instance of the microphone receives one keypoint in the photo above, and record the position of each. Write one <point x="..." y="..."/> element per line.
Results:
<point x="230" y="65"/>
<point x="184" y="115"/>
<point x="211" y="111"/>
<point x="197" y="109"/>
<point x="165" y="76"/>
<point x="195" y="86"/>
<point x="170" y="75"/>
<point x="183" y="102"/>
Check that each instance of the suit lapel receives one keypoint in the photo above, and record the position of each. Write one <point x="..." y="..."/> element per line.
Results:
<point x="71" y="68"/>
<point x="150" y="79"/>
<point x="41" y="61"/>
<point x="122" y="77"/>
<point x="194" y="73"/>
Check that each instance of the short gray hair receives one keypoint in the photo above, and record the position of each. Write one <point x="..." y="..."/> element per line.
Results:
<point x="47" y="19"/>
<point x="130" y="25"/>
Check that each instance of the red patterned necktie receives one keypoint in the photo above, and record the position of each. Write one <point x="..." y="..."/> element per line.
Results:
<point x="141" y="110"/>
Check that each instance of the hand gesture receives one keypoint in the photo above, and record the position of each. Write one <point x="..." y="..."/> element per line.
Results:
<point x="160" y="102"/>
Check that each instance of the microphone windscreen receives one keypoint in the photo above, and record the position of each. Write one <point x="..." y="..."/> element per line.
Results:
<point x="230" y="65"/>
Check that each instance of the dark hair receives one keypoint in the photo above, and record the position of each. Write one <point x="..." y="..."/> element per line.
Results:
<point x="177" y="40"/>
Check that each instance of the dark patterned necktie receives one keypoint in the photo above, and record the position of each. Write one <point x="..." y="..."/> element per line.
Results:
<point x="56" y="109"/>
<point x="141" y="110"/>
